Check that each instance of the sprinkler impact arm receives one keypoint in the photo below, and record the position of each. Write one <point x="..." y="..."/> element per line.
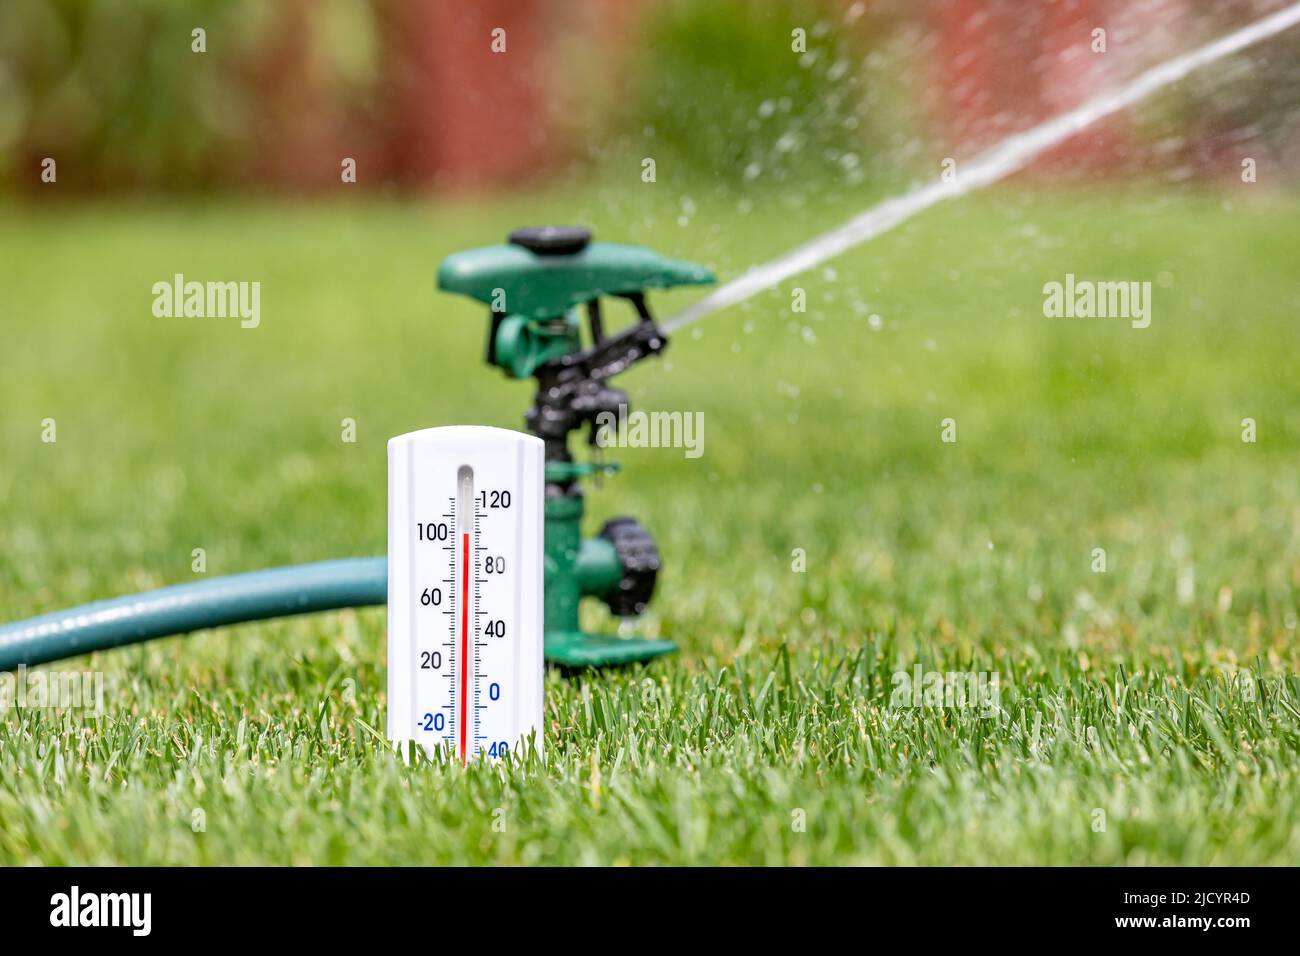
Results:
<point x="573" y="390"/>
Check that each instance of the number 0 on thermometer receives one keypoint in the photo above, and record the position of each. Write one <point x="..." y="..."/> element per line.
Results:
<point x="465" y="591"/>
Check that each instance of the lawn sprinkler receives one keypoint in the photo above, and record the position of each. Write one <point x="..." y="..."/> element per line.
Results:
<point x="534" y="286"/>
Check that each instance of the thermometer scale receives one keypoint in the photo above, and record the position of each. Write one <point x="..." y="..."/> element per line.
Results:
<point x="465" y="591"/>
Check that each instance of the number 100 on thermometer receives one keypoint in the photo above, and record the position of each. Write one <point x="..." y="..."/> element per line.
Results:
<point x="465" y="591"/>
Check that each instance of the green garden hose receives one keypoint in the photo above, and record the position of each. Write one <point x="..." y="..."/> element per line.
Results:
<point x="255" y="596"/>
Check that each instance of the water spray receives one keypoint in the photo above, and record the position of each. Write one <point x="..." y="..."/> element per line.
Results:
<point x="987" y="168"/>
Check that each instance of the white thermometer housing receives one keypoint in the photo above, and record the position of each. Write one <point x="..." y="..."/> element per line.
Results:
<point x="465" y="591"/>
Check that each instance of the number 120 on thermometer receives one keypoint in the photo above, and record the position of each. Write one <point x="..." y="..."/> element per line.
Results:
<point x="465" y="591"/>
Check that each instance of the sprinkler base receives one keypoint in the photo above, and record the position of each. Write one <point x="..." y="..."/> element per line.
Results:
<point x="580" y="649"/>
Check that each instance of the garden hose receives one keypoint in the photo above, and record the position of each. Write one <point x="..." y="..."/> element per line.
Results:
<point x="255" y="596"/>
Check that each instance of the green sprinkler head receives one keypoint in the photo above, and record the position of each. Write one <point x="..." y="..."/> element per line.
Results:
<point x="534" y="283"/>
<point x="533" y="286"/>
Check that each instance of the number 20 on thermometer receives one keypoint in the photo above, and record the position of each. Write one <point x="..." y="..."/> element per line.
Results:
<point x="465" y="591"/>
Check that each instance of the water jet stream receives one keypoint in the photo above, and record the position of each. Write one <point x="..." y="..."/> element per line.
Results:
<point x="993" y="164"/>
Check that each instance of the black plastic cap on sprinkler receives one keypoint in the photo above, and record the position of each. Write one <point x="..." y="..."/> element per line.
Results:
<point x="552" y="240"/>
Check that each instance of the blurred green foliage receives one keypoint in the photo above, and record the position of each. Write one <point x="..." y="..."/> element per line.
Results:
<point x="729" y="90"/>
<point x="117" y="94"/>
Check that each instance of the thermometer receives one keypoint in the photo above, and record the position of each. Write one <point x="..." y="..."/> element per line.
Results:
<point x="465" y="591"/>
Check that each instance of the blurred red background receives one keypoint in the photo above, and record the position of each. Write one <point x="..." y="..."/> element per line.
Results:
<point x="416" y="93"/>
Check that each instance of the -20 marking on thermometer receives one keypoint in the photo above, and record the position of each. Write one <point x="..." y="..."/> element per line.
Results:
<point x="465" y="590"/>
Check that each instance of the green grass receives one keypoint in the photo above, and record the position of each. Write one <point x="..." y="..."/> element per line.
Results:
<point x="1162" y="693"/>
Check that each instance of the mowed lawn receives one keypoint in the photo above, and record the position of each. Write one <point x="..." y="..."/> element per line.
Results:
<point x="1147" y="714"/>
